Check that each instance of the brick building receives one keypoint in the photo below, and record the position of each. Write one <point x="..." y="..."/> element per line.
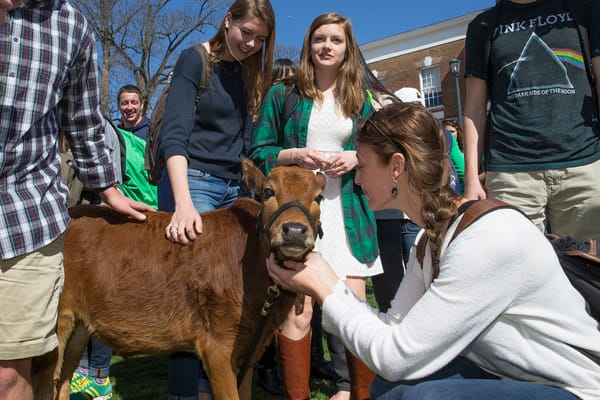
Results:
<point x="420" y="59"/>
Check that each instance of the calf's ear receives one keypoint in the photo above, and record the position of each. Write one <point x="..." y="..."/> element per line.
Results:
<point x="321" y="180"/>
<point x="252" y="177"/>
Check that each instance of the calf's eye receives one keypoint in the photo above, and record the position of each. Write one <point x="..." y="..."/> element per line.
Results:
<point x="268" y="192"/>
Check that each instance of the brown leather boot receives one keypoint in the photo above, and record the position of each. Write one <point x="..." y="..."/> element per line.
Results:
<point x="361" y="378"/>
<point x="295" y="366"/>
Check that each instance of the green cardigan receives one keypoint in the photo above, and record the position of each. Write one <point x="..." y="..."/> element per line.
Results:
<point x="264" y="150"/>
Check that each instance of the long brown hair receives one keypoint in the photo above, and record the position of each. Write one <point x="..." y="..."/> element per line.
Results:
<point x="411" y="130"/>
<point x="257" y="68"/>
<point x="350" y="92"/>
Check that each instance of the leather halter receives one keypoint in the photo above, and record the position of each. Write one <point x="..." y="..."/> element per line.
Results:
<point x="317" y="230"/>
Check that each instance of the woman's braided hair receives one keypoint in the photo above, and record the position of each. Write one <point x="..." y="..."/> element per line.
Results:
<point x="411" y="130"/>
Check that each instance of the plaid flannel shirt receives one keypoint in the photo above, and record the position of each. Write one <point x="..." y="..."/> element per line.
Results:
<point x="48" y="83"/>
<point x="264" y="150"/>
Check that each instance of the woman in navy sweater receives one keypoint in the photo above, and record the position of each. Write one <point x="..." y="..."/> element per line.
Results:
<point x="202" y="139"/>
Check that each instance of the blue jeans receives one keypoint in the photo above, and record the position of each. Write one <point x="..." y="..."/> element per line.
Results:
<point x="208" y="192"/>
<point x="95" y="360"/>
<point x="186" y="377"/>
<point x="463" y="380"/>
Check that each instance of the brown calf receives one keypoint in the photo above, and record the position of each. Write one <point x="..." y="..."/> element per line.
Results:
<point x="139" y="293"/>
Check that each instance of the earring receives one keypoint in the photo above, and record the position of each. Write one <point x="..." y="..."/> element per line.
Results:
<point x="394" y="190"/>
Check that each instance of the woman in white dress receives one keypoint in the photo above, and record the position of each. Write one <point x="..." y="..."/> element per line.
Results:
<point x="319" y="135"/>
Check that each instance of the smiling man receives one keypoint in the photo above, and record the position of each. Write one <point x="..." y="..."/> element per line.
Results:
<point x="131" y="105"/>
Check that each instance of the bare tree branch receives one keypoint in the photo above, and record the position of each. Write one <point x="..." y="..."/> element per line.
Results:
<point x="138" y="39"/>
<point x="293" y="53"/>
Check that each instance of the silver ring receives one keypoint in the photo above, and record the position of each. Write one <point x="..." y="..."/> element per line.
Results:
<point x="171" y="227"/>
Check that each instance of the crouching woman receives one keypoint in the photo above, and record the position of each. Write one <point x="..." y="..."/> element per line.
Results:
<point x="489" y="314"/>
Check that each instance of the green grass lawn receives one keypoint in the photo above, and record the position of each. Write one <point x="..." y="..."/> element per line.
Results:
<point x="145" y="377"/>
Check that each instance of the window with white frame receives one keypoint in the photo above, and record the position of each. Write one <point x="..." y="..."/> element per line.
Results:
<point x="432" y="87"/>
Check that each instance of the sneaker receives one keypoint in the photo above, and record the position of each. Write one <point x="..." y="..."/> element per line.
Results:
<point x="84" y="388"/>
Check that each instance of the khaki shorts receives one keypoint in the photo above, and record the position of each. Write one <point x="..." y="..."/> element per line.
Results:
<point x="567" y="199"/>
<point x="30" y="287"/>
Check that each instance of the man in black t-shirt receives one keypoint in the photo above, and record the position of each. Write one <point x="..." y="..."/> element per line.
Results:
<point x="540" y="137"/>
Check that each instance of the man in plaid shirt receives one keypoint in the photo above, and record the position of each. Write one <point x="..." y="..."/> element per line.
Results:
<point x="48" y="83"/>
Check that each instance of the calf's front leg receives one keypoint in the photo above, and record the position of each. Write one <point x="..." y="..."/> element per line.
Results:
<point x="223" y="382"/>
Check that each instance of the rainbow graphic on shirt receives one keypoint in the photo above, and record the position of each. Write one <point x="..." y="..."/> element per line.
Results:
<point x="570" y="57"/>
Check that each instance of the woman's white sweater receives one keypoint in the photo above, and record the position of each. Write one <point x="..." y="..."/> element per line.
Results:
<point x="501" y="299"/>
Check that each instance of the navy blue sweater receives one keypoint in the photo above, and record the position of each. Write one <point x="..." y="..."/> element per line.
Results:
<point x="212" y="136"/>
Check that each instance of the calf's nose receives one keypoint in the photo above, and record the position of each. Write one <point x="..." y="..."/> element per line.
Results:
<point x="294" y="232"/>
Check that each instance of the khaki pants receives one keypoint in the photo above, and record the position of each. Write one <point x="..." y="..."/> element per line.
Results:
<point x="70" y="179"/>
<point x="30" y="288"/>
<point x="566" y="199"/>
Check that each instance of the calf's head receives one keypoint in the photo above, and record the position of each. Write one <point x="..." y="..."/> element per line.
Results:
<point x="289" y="217"/>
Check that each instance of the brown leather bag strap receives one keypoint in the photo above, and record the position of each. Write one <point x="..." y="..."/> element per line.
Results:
<point x="475" y="210"/>
<point x="587" y="249"/>
<point x="589" y="255"/>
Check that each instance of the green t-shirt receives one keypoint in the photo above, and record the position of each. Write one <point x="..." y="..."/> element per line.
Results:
<point x="458" y="159"/>
<point x="137" y="188"/>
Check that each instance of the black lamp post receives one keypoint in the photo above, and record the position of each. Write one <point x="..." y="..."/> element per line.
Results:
<point x="455" y="68"/>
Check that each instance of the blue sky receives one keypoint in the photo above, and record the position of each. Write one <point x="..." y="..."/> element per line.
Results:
<point x="371" y="19"/>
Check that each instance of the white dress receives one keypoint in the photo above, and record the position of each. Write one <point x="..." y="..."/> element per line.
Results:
<point x="328" y="130"/>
